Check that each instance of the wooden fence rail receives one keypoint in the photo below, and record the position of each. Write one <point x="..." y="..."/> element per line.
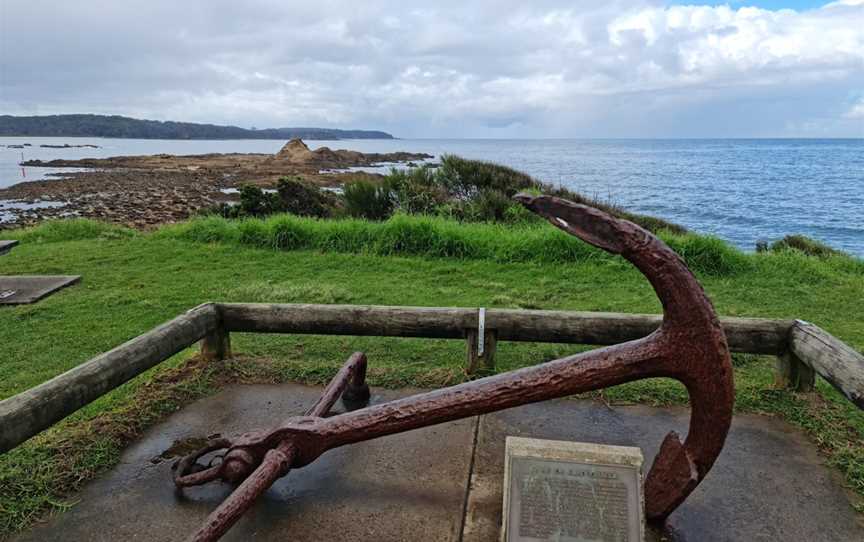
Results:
<point x="803" y="349"/>
<point x="751" y="335"/>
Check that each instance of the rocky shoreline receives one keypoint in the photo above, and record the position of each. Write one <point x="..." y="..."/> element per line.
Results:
<point x="145" y="191"/>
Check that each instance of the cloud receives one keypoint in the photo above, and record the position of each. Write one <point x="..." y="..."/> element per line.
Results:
<point x="502" y="68"/>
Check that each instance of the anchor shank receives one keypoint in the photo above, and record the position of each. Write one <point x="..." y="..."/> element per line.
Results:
<point x="574" y="374"/>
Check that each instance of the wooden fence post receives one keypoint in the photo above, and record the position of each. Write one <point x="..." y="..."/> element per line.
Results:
<point x="794" y="373"/>
<point x="216" y="345"/>
<point x="481" y="363"/>
<point x="838" y="363"/>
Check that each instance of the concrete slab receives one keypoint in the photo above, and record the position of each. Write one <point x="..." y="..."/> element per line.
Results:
<point x="25" y="289"/>
<point x="768" y="484"/>
<point x="403" y="487"/>
<point x="6" y="246"/>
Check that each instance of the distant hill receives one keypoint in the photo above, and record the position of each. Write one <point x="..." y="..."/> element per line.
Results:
<point x="125" y="127"/>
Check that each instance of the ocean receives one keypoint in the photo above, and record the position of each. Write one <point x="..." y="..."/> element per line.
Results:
<point x="741" y="190"/>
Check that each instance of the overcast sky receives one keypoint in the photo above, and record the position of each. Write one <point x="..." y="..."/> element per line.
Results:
<point x="504" y="68"/>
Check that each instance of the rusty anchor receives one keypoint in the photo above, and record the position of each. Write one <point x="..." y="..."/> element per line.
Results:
<point x="689" y="346"/>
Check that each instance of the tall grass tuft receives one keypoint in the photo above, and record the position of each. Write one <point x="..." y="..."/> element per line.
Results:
<point x="75" y="229"/>
<point x="710" y="255"/>
<point x="207" y="229"/>
<point x="423" y="236"/>
<point x="254" y="232"/>
<point x="288" y="232"/>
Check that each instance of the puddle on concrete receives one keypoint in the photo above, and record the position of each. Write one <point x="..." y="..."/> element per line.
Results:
<point x="184" y="447"/>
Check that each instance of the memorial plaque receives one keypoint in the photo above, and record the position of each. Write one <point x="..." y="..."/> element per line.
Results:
<point x="572" y="492"/>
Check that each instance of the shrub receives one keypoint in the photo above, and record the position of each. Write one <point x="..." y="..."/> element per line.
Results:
<point x="489" y="205"/>
<point x="365" y="199"/>
<point x="465" y="178"/>
<point x="303" y="199"/>
<point x="517" y="214"/>
<point x="482" y="191"/>
<point x="416" y="190"/>
<point x="805" y="244"/>
<point x="255" y="202"/>
<point x="292" y="196"/>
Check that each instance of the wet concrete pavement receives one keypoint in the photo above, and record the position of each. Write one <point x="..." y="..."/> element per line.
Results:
<point x="768" y="484"/>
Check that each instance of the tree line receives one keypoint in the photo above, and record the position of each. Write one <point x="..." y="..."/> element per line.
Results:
<point x="126" y="127"/>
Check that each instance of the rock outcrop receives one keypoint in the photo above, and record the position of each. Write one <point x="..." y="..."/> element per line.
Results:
<point x="296" y="152"/>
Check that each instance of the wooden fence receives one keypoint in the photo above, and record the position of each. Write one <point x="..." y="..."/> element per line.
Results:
<point x="803" y="349"/>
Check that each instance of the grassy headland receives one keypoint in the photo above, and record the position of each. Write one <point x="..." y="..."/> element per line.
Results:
<point x="134" y="281"/>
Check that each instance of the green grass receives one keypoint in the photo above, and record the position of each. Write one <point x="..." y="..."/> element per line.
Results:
<point x="132" y="282"/>
<point x="436" y="237"/>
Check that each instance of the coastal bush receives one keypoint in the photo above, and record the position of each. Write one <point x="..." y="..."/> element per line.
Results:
<point x="304" y="199"/>
<point x="416" y="190"/>
<point x="255" y="202"/>
<point x="489" y="205"/>
<point x="366" y="199"/>
<point x="474" y="190"/>
<point x="292" y="195"/>
<point x="805" y="244"/>
<point x="466" y="178"/>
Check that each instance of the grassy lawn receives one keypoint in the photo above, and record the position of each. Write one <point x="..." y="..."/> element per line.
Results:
<point x="133" y="282"/>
